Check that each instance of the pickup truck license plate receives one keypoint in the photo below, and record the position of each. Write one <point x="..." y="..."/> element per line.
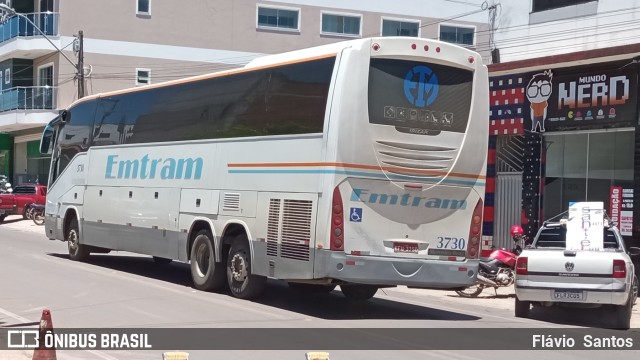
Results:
<point x="568" y="295"/>
<point x="409" y="248"/>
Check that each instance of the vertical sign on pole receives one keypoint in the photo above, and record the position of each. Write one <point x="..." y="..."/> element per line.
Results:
<point x="585" y="226"/>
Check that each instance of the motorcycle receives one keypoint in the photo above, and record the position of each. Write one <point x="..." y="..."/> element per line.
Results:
<point x="498" y="270"/>
<point x="36" y="213"/>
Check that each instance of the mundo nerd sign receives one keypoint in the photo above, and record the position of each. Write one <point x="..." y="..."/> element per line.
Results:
<point x="584" y="98"/>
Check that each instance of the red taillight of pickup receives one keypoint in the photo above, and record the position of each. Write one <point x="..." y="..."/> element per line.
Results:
<point x="522" y="265"/>
<point x="619" y="269"/>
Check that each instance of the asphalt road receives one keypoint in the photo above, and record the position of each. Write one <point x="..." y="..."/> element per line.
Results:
<point x="122" y="290"/>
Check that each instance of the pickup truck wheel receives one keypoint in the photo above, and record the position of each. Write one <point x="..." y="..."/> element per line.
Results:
<point x="25" y="212"/>
<point x="522" y="308"/>
<point x="77" y="251"/>
<point x="622" y="315"/>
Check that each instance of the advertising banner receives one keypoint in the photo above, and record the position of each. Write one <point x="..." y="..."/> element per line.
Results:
<point x="585" y="226"/>
<point x="626" y="213"/>
<point x="580" y="98"/>
<point x="615" y="205"/>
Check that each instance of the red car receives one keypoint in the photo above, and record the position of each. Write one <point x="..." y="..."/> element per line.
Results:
<point x="22" y="196"/>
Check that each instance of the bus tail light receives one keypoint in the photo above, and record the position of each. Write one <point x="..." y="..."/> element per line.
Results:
<point x="337" y="222"/>
<point x="473" y="248"/>
<point x="619" y="269"/>
<point x="522" y="265"/>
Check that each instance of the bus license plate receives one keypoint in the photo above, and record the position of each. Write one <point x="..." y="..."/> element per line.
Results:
<point x="568" y="295"/>
<point x="410" y="248"/>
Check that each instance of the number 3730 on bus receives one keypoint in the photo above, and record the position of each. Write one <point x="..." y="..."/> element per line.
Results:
<point x="446" y="242"/>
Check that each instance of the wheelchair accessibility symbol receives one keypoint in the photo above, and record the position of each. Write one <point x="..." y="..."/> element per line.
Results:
<point x="356" y="214"/>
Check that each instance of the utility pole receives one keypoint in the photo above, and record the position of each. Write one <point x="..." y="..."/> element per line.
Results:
<point x="80" y="66"/>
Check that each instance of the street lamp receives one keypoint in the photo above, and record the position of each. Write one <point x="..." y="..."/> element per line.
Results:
<point x="6" y="10"/>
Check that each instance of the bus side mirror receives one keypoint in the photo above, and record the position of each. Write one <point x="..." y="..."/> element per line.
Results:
<point x="46" y="140"/>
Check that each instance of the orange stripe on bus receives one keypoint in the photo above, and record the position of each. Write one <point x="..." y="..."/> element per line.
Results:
<point x="355" y="166"/>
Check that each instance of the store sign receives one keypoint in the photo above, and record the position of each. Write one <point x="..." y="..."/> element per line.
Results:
<point x="585" y="226"/>
<point x="626" y="213"/>
<point x="591" y="98"/>
<point x="621" y="207"/>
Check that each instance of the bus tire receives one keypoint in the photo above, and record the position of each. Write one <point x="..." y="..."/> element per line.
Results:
<point x="356" y="292"/>
<point x="161" y="261"/>
<point x="242" y="282"/>
<point x="205" y="273"/>
<point x="77" y="251"/>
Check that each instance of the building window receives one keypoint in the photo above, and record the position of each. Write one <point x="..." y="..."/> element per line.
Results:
<point x="143" y="76"/>
<point x="7" y="76"/>
<point x="585" y="167"/>
<point x="144" y="7"/>
<point x="341" y="24"/>
<point x="278" y="18"/>
<point x="400" y="28"/>
<point x="457" y="35"/>
<point x="542" y="5"/>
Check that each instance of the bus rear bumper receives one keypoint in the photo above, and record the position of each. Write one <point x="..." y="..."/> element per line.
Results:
<point x="387" y="271"/>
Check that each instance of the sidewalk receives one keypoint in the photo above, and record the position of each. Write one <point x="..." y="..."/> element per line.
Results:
<point x="17" y="223"/>
<point x="16" y="354"/>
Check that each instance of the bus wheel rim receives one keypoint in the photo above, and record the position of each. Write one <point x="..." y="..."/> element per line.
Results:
<point x="239" y="268"/>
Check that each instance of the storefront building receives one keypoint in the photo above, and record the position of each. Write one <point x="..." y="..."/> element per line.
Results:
<point x="563" y="129"/>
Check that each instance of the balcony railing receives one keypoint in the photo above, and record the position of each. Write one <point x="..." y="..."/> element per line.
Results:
<point x="28" y="98"/>
<point x="19" y="26"/>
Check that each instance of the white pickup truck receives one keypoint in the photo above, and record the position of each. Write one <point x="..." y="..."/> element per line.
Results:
<point x="547" y="274"/>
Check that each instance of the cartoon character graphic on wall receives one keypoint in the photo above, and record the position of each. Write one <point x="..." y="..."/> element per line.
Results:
<point x="538" y="92"/>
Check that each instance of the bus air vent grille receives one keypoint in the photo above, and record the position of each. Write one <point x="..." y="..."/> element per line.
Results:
<point x="273" y="227"/>
<point x="231" y="202"/>
<point x="296" y="229"/>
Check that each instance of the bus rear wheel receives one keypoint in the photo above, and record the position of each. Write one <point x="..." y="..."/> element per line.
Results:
<point x="358" y="292"/>
<point x="242" y="282"/>
<point x="206" y="275"/>
<point x="77" y="251"/>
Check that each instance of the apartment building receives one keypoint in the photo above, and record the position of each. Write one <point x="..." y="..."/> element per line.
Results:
<point x="564" y="113"/>
<point x="129" y="43"/>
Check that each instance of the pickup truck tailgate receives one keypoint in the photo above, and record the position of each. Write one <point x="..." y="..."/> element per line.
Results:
<point x="572" y="269"/>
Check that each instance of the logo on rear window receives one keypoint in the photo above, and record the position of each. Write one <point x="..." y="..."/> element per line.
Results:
<point x="421" y="86"/>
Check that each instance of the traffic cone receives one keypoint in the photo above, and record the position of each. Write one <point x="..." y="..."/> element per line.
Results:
<point x="46" y="326"/>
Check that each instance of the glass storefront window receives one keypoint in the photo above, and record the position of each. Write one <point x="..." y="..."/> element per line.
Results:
<point x="584" y="167"/>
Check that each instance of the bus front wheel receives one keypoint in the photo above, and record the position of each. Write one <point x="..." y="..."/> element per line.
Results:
<point x="242" y="282"/>
<point x="77" y="251"/>
<point x="206" y="274"/>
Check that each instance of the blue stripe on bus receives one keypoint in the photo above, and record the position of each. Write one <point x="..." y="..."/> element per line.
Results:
<point x="355" y="173"/>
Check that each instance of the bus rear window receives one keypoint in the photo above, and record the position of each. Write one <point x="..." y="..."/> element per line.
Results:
<point x="419" y="97"/>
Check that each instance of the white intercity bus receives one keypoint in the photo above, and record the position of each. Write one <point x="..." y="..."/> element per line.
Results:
<point x="359" y="164"/>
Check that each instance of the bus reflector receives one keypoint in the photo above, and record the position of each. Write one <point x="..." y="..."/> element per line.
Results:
<point x="426" y="48"/>
<point x="522" y="266"/>
<point x="355" y="252"/>
<point x="337" y="228"/>
<point x="451" y="258"/>
<point x="413" y="46"/>
<point x="473" y="247"/>
<point x="376" y="47"/>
